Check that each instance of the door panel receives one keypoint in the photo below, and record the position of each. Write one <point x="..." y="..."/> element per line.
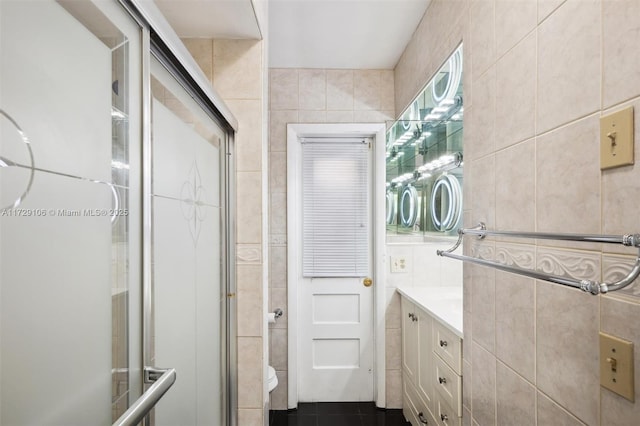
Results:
<point x="336" y="308"/>
<point x="336" y="312"/>
<point x="60" y="308"/>
<point x="68" y="259"/>
<point x="337" y="347"/>
<point x="70" y="224"/>
<point x="188" y="290"/>
<point x="71" y="97"/>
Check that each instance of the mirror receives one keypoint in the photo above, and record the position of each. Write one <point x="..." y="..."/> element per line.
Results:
<point x="423" y="147"/>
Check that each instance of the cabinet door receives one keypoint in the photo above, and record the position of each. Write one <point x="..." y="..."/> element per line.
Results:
<point x="424" y="381"/>
<point x="409" y="340"/>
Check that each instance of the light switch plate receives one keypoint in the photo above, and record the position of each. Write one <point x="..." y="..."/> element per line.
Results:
<point x="616" y="365"/>
<point x="616" y="139"/>
<point x="398" y="264"/>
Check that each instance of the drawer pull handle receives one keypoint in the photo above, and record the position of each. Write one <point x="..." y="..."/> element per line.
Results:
<point x="443" y="343"/>
<point x="444" y="417"/>
<point x="422" y="419"/>
<point x="442" y="380"/>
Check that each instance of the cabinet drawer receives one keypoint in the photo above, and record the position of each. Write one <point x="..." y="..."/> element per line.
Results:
<point x="448" y="385"/>
<point x="417" y="409"/>
<point x="448" y="346"/>
<point x="446" y="415"/>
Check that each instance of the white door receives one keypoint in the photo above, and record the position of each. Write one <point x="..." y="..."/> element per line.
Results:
<point x="335" y="314"/>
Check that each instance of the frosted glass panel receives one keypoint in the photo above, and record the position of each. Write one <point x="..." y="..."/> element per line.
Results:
<point x="56" y="293"/>
<point x="175" y="317"/>
<point x="68" y="215"/>
<point x="48" y="45"/>
<point x="188" y="294"/>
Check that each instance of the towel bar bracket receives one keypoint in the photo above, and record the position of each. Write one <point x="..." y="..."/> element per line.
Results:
<point x="593" y="287"/>
<point x="631" y="240"/>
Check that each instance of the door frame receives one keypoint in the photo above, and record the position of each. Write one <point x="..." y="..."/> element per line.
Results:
<point x="294" y="244"/>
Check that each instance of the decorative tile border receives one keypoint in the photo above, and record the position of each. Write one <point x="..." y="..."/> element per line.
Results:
<point x="483" y="250"/>
<point x="616" y="267"/>
<point x="565" y="263"/>
<point x="249" y="254"/>
<point x="521" y="256"/>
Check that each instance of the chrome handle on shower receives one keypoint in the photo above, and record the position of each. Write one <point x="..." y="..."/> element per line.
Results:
<point x="162" y="379"/>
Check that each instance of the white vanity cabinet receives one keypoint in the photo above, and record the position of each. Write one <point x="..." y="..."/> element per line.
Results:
<point x="431" y="367"/>
<point x="417" y="377"/>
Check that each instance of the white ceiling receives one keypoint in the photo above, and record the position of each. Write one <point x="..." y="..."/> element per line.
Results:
<point x="341" y="33"/>
<point x="358" y="34"/>
<point x="211" y="18"/>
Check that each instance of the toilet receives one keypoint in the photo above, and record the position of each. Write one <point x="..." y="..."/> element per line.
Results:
<point x="272" y="379"/>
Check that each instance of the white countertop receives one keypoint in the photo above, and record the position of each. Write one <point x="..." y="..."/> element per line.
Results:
<point x="444" y="303"/>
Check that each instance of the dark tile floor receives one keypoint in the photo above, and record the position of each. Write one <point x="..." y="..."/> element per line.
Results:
<point x="337" y="414"/>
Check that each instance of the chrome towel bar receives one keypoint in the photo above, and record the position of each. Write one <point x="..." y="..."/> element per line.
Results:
<point x="593" y="287"/>
<point x="162" y="380"/>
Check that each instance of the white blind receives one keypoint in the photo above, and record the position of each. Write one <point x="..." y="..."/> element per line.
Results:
<point x="335" y="201"/>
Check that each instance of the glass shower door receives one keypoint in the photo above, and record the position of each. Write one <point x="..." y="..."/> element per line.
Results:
<point x="185" y="327"/>
<point x="69" y="210"/>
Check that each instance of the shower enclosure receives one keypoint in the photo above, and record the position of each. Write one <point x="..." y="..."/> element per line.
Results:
<point x="115" y="232"/>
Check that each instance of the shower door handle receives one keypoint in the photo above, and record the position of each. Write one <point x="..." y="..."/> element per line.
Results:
<point x="162" y="380"/>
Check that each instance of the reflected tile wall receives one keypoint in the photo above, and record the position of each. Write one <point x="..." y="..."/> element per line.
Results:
<point x="547" y="70"/>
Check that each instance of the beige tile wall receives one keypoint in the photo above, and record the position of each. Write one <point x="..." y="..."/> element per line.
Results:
<point x="538" y="75"/>
<point x="309" y="96"/>
<point x="235" y="69"/>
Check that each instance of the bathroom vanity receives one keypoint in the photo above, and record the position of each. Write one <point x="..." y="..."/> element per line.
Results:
<point x="432" y="355"/>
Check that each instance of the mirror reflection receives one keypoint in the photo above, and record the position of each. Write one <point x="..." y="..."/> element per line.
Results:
<point x="425" y="157"/>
